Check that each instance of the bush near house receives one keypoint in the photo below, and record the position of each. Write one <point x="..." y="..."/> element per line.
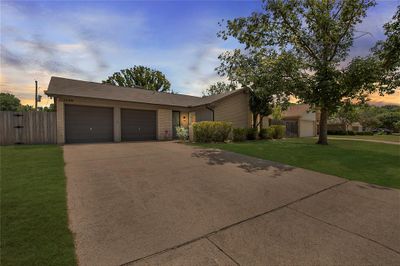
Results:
<point x="350" y="133"/>
<point x="277" y="131"/>
<point x="182" y="133"/>
<point x="239" y="134"/>
<point x="263" y="134"/>
<point x="270" y="132"/>
<point x="211" y="131"/>
<point x="251" y="133"/>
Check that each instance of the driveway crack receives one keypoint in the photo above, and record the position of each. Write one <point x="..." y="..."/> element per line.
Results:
<point x="231" y="225"/>
<point x="345" y="230"/>
<point x="220" y="249"/>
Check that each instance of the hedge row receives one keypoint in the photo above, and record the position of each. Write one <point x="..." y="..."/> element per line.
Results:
<point x="218" y="131"/>
<point x="350" y="133"/>
<point x="272" y="132"/>
<point x="211" y="131"/>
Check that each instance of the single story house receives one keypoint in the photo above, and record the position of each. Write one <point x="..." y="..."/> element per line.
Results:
<point x="299" y="119"/>
<point x="95" y="112"/>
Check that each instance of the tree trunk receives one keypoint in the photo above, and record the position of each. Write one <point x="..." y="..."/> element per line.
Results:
<point x="261" y="122"/>
<point x="255" y="120"/>
<point x="323" y="127"/>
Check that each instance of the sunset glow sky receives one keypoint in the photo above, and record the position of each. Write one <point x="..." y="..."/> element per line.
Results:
<point x="91" y="40"/>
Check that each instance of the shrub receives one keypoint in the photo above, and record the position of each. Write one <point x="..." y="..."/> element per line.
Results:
<point x="270" y="132"/>
<point x="239" y="134"/>
<point x="182" y="133"/>
<point x="337" y="132"/>
<point x="211" y="131"/>
<point x="351" y="133"/>
<point x="251" y="133"/>
<point x="365" y="133"/>
<point x="279" y="131"/>
<point x="263" y="133"/>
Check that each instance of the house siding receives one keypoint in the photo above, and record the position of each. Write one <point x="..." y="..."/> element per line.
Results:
<point x="307" y="128"/>
<point x="164" y="124"/>
<point x="234" y="109"/>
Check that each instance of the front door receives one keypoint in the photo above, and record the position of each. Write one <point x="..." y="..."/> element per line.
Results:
<point x="175" y="122"/>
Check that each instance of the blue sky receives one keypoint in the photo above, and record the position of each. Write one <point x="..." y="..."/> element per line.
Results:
<point x="93" y="39"/>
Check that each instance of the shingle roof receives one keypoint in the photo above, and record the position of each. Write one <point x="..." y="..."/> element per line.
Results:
<point x="69" y="87"/>
<point x="296" y="110"/>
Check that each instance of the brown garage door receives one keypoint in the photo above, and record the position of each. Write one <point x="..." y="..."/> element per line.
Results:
<point x="138" y="124"/>
<point x="85" y="124"/>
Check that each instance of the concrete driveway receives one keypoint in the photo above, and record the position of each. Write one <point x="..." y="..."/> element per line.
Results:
<point x="164" y="203"/>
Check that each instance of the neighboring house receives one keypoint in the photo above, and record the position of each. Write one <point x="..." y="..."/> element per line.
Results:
<point x="299" y="119"/>
<point x="337" y="124"/>
<point x="95" y="112"/>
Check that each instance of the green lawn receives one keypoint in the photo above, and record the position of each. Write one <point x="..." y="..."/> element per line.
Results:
<point x="369" y="162"/>
<point x="34" y="223"/>
<point x="393" y="138"/>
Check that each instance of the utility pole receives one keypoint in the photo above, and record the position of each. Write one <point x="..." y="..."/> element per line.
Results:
<point x="36" y="95"/>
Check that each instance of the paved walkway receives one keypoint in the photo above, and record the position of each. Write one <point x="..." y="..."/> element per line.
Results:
<point x="163" y="203"/>
<point x="367" y="140"/>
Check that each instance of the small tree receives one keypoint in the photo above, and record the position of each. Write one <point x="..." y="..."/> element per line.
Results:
<point x="368" y="117"/>
<point x="347" y="114"/>
<point x="261" y="73"/>
<point x="141" y="76"/>
<point x="277" y="113"/>
<point x="8" y="102"/>
<point x="218" y="88"/>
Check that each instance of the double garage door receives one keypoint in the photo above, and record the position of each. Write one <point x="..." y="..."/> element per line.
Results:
<point x="87" y="124"/>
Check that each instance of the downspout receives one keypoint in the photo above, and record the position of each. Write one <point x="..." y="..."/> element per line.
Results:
<point x="212" y="110"/>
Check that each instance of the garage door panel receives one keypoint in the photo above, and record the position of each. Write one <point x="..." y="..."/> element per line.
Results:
<point x="87" y="124"/>
<point x="138" y="125"/>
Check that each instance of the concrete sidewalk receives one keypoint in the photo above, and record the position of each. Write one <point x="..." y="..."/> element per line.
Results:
<point x="163" y="203"/>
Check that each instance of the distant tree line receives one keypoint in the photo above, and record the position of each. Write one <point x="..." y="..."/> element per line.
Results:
<point x="369" y="116"/>
<point x="9" y="102"/>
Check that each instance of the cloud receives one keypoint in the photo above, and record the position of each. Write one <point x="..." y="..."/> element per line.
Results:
<point x="10" y="58"/>
<point x="91" y="42"/>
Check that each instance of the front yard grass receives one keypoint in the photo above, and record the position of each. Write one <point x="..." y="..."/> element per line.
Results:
<point x="392" y="138"/>
<point x="369" y="162"/>
<point x="34" y="223"/>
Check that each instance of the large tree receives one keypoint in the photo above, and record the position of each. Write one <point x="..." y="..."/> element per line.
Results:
<point x="388" y="52"/>
<point x="317" y="35"/>
<point x="8" y="102"/>
<point x="140" y="76"/>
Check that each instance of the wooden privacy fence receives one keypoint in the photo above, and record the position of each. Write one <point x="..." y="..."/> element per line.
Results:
<point x="27" y="128"/>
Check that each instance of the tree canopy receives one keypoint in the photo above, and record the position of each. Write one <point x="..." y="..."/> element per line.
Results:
<point x="8" y="102"/>
<point x="218" y="88"/>
<point x="388" y="52"/>
<point x="140" y="76"/>
<point x="261" y="73"/>
<point x="315" y="37"/>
